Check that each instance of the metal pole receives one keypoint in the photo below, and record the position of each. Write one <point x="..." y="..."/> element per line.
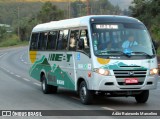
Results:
<point x="18" y="22"/>
<point x="69" y="8"/>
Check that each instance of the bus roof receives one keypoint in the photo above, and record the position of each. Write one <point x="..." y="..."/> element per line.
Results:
<point x="80" y="22"/>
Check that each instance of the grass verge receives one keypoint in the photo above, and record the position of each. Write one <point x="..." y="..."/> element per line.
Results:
<point x="12" y="41"/>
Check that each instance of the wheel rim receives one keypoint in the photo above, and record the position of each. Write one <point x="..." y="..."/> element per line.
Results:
<point x="83" y="92"/>
<point x="43" y="85"/>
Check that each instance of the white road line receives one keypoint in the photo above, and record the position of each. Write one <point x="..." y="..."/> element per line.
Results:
<point x="26" y="79"/>
<point x="4" y="68"/>
<point x="7" y="70"/>
<point x="38" y="84"/>
<point x="11" y="73"/>
<point x="3" y="54"/>
<point x="107" y="108"/>
<point x="18" y="76"/>
<point x="25" y="62"/>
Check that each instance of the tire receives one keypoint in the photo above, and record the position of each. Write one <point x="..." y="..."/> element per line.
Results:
<point x="86" y="96"/>
<point x="47" y="88"/>
<point x="142" y="97"/>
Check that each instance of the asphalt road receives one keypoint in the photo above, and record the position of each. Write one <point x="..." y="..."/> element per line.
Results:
<point x="18" y="91"/>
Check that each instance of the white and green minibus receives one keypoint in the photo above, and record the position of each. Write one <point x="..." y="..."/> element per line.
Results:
<point x="94" y="55"/>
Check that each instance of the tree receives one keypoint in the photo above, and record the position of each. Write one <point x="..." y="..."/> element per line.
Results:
<point x="2" y="32"/>
<point x="102" y="7"/>
<point x="148" y="11"/>
<point x="78" y="8"/>
<point x="50" y="12"/>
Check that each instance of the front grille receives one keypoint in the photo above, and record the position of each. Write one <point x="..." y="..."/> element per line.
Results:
<point x="129" y="73"/>
<point x="121" y="75"/>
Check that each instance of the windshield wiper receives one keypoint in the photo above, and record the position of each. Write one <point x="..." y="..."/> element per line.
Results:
<point x="144" y="53"/>
<point x="119" y="52"/>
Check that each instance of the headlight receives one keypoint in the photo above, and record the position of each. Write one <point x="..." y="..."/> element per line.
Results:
<point x="153" y="71"/>
<point x="102" y="71"/>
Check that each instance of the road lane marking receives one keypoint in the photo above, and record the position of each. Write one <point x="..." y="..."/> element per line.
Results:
<point x="107" y="108"/>
<point x="22" y="59"/>
<point x="26" y="79"/>
<point x="3" y="54"/>
<point x="38" y="84"/>
<point x="7" y="70"/>
<point x="11" y="73"/>
<point x="18" y="76"/>
<point x="2" y="67"/>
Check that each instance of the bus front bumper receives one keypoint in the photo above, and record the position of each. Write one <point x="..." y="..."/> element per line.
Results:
<point x="110" y="83"/>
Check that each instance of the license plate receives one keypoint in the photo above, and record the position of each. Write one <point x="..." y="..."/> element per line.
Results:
<point x="131" y="80"/>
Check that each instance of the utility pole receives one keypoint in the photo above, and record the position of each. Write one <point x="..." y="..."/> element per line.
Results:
<point x="18" y="30"/>
<point x="88" y="7"/>
<point x="69" y="8"/>
<point x="18" y="15"/>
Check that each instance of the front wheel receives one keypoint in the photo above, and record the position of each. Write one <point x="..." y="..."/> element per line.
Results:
<point x="86" y="95"/>
<point x="142" y="97"/>
<point x="47" y="88"/>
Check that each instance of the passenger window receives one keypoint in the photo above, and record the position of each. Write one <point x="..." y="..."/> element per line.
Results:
<point x="52" y="37"/>
<point x="73" y="40"/>
<point x="62" y="40"/>
<point x="84" y="41"/>
<point x="34" y="40"/>
<point x="42" y="41"/>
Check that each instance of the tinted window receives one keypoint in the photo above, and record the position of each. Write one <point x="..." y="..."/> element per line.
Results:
<point x="117" y="37"/>
<point x="73" y="39"/>
<point x="42" y="41"/>
<point x="34" y="40"/>
<point x="62" y="40"/>
<point x="84" y="41"/>
<point x="52" y="37"/>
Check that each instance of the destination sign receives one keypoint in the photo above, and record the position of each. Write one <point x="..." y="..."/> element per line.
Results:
<point x="106" y="26"/>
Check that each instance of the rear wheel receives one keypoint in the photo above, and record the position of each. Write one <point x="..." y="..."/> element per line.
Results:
<point x="47" y="88"/>
<point x="86" y="96"/>
<point x="142" y="97"/>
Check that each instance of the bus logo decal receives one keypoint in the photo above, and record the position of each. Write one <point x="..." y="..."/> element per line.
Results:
<point x="131" y="73"/>
<point x="59" y="57"/>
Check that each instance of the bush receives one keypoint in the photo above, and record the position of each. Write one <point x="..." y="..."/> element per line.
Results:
<point x="10" y="40"/>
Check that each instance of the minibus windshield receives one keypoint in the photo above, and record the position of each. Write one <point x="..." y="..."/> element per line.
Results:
<point x="121" y="39"/>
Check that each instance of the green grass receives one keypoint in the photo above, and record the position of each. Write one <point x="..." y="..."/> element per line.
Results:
<point x="13" y="40"/>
